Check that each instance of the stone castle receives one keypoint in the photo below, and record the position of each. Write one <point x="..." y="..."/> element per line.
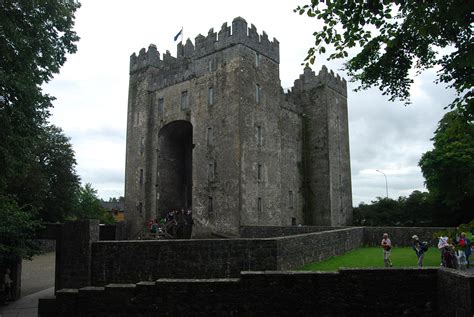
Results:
<point x="212" y="129"/>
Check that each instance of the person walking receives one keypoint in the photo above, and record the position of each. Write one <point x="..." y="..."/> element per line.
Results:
<point x="420" y="249"/>
<point x="386" y="244"/>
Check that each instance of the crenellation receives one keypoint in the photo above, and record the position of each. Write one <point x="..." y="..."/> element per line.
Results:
<point x="309" y="80"/>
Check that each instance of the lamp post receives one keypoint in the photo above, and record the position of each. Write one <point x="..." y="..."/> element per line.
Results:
<point x="386" y="184"/>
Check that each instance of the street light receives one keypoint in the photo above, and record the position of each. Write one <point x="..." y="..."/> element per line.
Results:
<point x="386" y="185"/>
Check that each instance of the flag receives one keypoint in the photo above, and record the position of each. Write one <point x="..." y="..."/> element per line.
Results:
<point x="177" y="35"/>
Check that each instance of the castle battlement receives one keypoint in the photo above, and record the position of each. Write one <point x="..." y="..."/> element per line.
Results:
<point x="309" y="80"/>
<point x="238" y="33"/>
<point x="150" y="57"/>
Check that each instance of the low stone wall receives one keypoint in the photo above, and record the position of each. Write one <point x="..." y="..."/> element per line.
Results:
<point x="278" y="231"/>
<point x="371" y="292"/>
<point x="46" y="245"/>
<point x="400" y="236"/>
<point x="296" y="251"/>
<point x="134" y="261"/>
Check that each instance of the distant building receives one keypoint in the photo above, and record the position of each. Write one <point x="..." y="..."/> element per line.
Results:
<point x="115" y="208"/>
<point x="213" y="130"/>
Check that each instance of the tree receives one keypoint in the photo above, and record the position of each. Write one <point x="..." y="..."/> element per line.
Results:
<point x="397" y="36"/>
<point x="35" y="37"/>
<point x="89" y="206"/>
<point x="16" y="229"/>
<point x="449" y="167"/>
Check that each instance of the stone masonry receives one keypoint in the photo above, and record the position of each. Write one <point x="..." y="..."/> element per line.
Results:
<point x="213" y="130"/>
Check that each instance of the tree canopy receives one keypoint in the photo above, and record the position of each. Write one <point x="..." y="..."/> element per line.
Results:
<point x="37" y="174"/>
<point x="396" y="37"/>
<point x="449" y="167"/>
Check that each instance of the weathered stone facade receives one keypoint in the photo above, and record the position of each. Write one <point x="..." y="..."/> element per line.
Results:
<point x="213" y="129"/>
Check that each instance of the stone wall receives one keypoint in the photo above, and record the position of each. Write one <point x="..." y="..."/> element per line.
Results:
<point x="296" y="251"/>
<point x="134" y="261"/>
<point x="401" y="236"/>
<point x="371" y="292"/>
<point x="278" y="231"/>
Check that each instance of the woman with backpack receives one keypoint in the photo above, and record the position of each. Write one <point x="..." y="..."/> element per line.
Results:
<point x="420" y="248"/>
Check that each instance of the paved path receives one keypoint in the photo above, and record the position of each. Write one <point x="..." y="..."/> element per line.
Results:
<point x="38" y="274"/>
<point x="37" y="280"/>
<point x="26" y="306"/>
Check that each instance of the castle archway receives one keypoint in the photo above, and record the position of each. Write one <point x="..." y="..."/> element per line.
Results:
<point x="175" y="145"/>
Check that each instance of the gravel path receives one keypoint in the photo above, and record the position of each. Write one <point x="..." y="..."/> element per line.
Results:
<point x="38" y="274"/>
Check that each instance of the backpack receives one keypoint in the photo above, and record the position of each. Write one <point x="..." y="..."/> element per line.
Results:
<point x="424" y="246"/>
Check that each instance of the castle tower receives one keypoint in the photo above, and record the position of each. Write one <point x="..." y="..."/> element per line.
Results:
<point x="326" y="156"/>
<point x="212" y="130"/>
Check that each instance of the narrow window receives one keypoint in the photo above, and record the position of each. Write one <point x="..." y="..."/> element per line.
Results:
<point x="161" y="105"/>
<point x="257" y="59"/>
<point x="211" y="170"/>
<point x="259" y="135"/>
<point x="184" y="100"/>
<point x="259" y="172"/>
<point x="141" y="176"/>
<point x="210" y="205"/>
<point x="210" y="96"/>
<point x="209" y="136"/>
<point x="142" y="145"/>
<point x="259" y="204"/>
<point x="258" y="92"/>
<point x="293" y="221"/>
<point x="290" y="199"/>
<point x="140" y="207"/>
<point x="209" y="66"/>
<point x="137" y="118"/>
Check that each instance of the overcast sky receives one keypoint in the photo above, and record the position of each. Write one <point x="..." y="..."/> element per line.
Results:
<point x="92" y="88"/>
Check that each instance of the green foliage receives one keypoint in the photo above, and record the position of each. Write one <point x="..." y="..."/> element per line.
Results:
<point x="37" y="164"/>
<point x="50" y="183"/>
<point x="414" y="210"/>
<point x="449" y="167"/>
<point x="16" y="229"/>
<point x="373" y="257"/>
<point x="35" y="37"/>
<point x="89" y="206"/>
<point x="396" y="37"/>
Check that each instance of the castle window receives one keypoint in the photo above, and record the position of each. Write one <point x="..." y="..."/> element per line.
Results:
<point x="259" y="172"/>
<point x="257" y="59"/>
<point x="141" y="176"/>
<point x="211" y="171"/>
<point x="259" y="204"/>
<point x="211" y="66"/>
<point x="258" y="93"/>
<point x="137" y="118"/>
<point x="209" y="136"/>
<point x="290" y="199"/>
<point x="161" y="105"/>
<point x="210" y="205"/>
<point x="184" y="100"/>
<point x="210" y="96"/>
<point x="140" y="207"/>
<point x="259" y="135"/>
<point x="142" y="145"/>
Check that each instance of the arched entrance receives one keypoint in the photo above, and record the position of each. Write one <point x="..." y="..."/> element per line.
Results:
<point x="175" y="145"/>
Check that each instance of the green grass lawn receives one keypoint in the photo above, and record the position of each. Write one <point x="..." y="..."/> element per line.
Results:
<point x="373" y="257"/>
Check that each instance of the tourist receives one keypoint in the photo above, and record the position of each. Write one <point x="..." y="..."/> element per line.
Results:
<point x="180" y="221"/>
<point x="7" y="286"/>
<point x="464" y="251"/>
<point x="386" y="244"/>
<point x="420" y="248"/>
<point x="188" y="227"/>
<point x="154" y="227"/>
